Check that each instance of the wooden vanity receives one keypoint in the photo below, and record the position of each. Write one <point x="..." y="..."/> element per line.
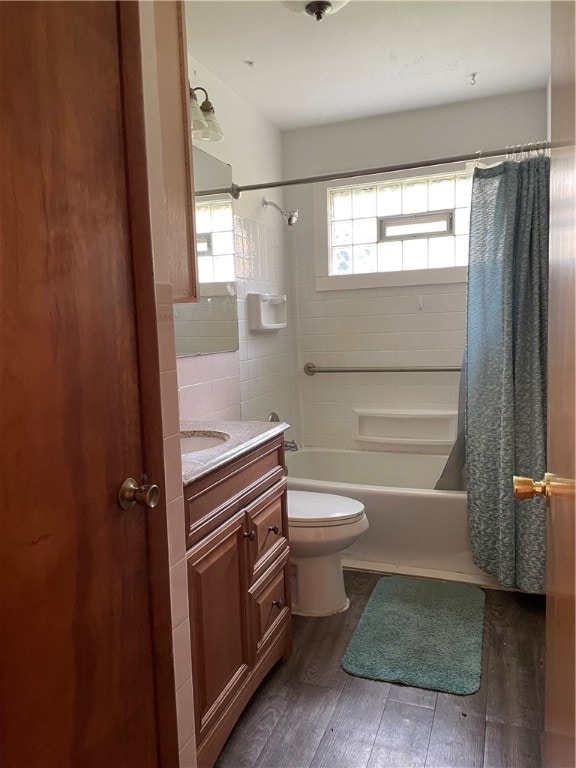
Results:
<point x="238" y="583"/>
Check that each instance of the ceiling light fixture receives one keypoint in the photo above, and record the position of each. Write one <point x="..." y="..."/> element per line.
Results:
<point x="316" y="8"/>
<point x="203" y="121"/>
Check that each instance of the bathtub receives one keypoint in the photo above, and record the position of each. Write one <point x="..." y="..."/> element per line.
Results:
<point x="414" y="529"/>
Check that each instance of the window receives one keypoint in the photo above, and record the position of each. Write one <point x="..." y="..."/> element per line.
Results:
<point x="215" y="242"/>
<point x="379" y="231"/>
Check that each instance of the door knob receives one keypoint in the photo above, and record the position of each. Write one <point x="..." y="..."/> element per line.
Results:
<point x="527" y="488"/>
<point x="131" y="493"/>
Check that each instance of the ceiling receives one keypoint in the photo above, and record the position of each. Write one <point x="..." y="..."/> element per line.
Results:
<point x="370" y="58"/>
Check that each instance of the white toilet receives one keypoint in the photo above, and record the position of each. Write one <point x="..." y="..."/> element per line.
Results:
<point x="320" y="526"/>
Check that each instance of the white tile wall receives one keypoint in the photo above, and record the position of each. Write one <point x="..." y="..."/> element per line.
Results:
<point x="411" y="325"/>
<point x="267" y="375"/>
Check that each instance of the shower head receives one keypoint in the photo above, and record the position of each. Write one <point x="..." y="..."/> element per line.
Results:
<point x="290" y="217"/>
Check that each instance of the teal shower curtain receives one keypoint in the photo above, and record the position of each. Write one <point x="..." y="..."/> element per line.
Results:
<point x="505" y="421"/>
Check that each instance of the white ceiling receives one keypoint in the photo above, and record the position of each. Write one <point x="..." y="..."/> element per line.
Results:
<point x="371" y="57"/>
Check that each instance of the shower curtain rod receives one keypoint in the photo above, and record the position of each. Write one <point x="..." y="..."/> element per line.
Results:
<point x="234" y="190"/>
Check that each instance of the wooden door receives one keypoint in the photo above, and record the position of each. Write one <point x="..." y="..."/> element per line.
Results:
<point x="219" y="624"/>
<point x="78" y="675"/>
<point x="560" y="669"/>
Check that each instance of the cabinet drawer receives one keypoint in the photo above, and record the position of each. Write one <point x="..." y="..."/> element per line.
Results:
<point x="267" y="526"/>
<point x="214" y="498"/>
<point x="270" y="603"/>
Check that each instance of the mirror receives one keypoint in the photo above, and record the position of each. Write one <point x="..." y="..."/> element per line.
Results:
<point x="211" y="324"/>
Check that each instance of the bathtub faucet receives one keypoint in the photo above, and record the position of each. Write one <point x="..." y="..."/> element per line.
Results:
<point x="290" y="445"/>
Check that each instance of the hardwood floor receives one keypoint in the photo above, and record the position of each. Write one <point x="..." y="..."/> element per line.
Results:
<point x="309" y="712"/>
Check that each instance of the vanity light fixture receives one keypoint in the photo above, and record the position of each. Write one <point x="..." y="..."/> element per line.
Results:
<point x="203" y="121"/>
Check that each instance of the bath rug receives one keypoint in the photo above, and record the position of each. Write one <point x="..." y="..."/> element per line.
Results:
<point x="422" y="633"/>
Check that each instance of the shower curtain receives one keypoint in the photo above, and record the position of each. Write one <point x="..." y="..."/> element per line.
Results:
<point x="505" y="422"/>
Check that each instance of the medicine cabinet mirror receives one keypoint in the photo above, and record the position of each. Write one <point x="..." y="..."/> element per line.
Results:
<point x="211" y="324"/>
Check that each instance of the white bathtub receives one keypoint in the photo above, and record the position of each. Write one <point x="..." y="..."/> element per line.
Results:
<point x="413" y="529"/>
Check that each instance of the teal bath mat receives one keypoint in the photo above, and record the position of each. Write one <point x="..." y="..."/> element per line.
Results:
<point x="419" y="632"/>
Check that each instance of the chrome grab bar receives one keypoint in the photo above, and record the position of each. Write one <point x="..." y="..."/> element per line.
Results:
<point x="310" y="369"/>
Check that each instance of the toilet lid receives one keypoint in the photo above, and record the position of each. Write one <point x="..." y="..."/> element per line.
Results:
<point x="307" y="507"/>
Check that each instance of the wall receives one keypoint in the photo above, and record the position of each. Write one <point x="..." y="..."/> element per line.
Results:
<point x="157" y="24"/>
<point x="260" y="377"/>
<point x="412" y="325"/>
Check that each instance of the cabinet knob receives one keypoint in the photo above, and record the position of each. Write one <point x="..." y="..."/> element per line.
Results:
<point x="278" y="603"/>
<point x="274" y="529"/>
<point x="251" y="535"/>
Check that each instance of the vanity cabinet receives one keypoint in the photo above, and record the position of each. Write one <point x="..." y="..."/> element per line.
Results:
<point x="238" y="584"/>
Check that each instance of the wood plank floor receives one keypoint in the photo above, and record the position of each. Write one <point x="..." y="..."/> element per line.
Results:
<point x="309" y="712"/>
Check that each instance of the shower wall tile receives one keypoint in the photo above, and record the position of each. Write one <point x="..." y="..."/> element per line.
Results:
<point x="404" y="325"/>
<point x="267" y="377"/>
<point x="261" y="376"/>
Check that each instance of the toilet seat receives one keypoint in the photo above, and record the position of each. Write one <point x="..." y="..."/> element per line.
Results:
<point x="310" y="509"/>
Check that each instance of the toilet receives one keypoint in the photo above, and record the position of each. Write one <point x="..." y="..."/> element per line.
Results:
<point x="320" y="526"/>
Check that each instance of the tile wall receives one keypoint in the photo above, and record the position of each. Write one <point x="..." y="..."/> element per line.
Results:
<point x="209" y="387"/>
<point x="260" y="377"/>
<point x="413" y="325"/>
<point x="176" y="531"/>
<point x="267" y="380"/>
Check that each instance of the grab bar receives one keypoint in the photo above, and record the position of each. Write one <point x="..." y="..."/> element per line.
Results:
<point x="310" y="369"/>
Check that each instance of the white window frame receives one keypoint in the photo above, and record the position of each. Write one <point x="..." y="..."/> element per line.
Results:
<point x="327" y="282"/>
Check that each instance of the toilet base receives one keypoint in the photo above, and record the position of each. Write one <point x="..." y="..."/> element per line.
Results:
<point x="318" y="586"/>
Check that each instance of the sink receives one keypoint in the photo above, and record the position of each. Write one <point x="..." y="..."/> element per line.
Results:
<point x="196" y="440"/>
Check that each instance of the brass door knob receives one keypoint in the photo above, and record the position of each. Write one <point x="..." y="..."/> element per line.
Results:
<point x="527" y="488"/>
<point x="131" y="493"/>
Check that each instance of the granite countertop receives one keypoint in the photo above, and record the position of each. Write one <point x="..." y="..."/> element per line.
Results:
<point x="244" y="435"/>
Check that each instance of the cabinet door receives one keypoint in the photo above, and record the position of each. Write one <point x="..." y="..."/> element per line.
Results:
<point x="219" y="622"/>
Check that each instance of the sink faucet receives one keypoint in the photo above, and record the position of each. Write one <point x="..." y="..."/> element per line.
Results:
<point x="290" y="445"/>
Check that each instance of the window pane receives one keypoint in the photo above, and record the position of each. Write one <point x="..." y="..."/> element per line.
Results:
<point x="415" y="254"/>
<point x="364" y="231"/>
<point x="221" y="217"/>
<point x="461" y="221"/>
<point x="341" y="261"/>
<point x="390" y="256"/>
<point x="440" y="194"/>
<point x="440" y="252"/>
<point x="203" y="243"/>
<point x="365" y="259"/>
<point x="389" y="200"/>
<point x="342" y="204"/>
<point x="222" y="242"/>
<point x="463" y="191"/>
<point x="416" y="228"/>
<point x="364" y="202"/>
<point x="342" y="232"/>
<point x="205" y="269"/>
<point x="224" y="269"/>
<point x="203" y="218"/>
<point x="462" y="250"/>
<point x="414" y="197"/>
